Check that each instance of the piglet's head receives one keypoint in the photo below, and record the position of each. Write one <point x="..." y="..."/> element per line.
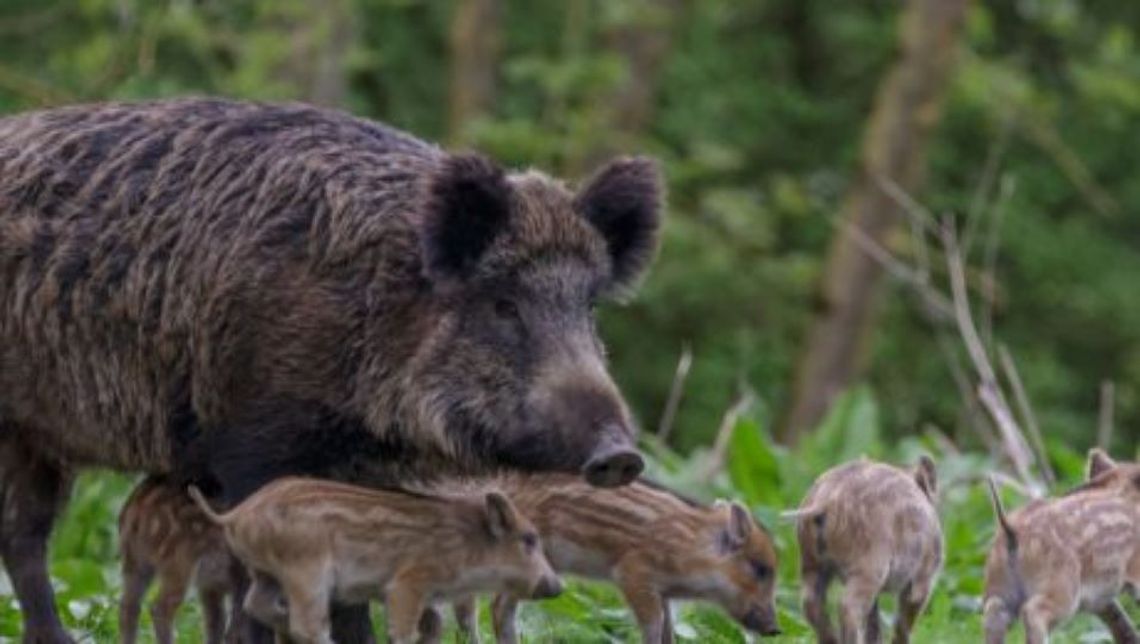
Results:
<point x="744" y="575"/>
<point x="1104" y="472"/>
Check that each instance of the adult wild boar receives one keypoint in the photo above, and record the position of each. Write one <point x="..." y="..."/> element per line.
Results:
<point x="232" y="291"/>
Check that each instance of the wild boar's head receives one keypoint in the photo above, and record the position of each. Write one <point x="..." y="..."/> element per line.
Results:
<point x="512" y="372"/>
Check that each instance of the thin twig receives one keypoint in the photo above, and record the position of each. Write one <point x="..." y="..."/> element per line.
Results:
<point x="719" y="454"/>
<point x="1104" y="424"/>
<point x="980" y="198"/>
<point x="1009" y="367"/>
<point x="899" y="270"/>
<point x="676" y="391"/>
<point x="989" y="393"/>
<point x="974" y="418"/>
<point x="998" y="477"/>
<point x="910" y="206"/>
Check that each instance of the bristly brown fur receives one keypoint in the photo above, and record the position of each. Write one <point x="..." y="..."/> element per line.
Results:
<point x="231" y="291"/>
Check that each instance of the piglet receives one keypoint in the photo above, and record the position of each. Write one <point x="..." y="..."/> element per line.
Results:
<point x="875" y="528"/>
<point x="1077" y="553"/>
<point x="163" y="533"/>
<point x="655" y="544"/>
<point x="323" y="541"/>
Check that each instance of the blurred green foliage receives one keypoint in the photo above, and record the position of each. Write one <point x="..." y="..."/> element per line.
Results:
<point x="758" y="113"/>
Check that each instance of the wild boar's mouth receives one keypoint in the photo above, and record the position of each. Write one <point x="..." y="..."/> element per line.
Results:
<point x="608" y="459"/>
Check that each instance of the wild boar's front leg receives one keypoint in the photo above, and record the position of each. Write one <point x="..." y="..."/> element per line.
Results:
<point x="33" y="492"/>
<point x="1114" y="617"/>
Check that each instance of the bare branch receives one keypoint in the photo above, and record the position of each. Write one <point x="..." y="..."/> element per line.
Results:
<point x="937" y="302"/>
<point x="1009" y="367"/>
<point x="914" y="210"/>
<point x="1104" y="424"/>
<point x="980" y="198"/>
<point x="676" y="391"/>
<point x="989" y="393"/>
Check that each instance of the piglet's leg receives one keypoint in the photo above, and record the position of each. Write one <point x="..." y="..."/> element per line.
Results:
<point x="430" y="626"/>
<point x="815" y="606"/>
<point x="1114" y="617"/>
<point x="646" y="603"/>
<point x="858" y="598"/>
<point x="911" y="602"/>
<point x="174" y="580"/>
<point x="874" y="627"/>
<point x="503" y="611"/>
<point x="1039" y="615"/>
<point x="465" y="619"/>
<point x="998" y="619"/>
<point x="405" y="609"/>
<point x="307" y="592"/>
<point x="136" y="579"/>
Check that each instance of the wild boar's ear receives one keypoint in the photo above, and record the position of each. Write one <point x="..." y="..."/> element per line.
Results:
<point x="501" y="517"/>
<point x="739" y="527"/>
<point x="926" y="475"/>
<point x="467" y="204"/>
<point x="623" y="201"/>
<point x="1099" y="463"/>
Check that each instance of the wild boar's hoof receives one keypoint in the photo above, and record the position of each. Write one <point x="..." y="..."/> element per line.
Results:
<point x="613" y="467"/>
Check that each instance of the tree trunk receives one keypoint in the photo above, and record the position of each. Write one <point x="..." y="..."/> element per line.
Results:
<point x="313" y="65"/>
<point x="906" y="110"/>
<point x="475" y="47"/>
<point x="642" y="41"/>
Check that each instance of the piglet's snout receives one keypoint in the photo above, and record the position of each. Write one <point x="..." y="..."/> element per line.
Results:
<point x="762" y="621"/>
<point x="615" y="461"/>
<point x="548" y="586"/>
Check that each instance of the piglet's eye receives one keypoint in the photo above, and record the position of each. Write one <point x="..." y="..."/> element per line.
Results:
<point x="530" y="541"/>
<point x="761" y="570"/>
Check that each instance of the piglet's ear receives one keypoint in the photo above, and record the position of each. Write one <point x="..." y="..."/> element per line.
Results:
<point x="926" y="476"/>
<point x="1099" y="462"/>
<point x="624" y="201"/>
<point x="467" y="205"/>
<point x="502" y="518"/>
<point x="738" y="528"/>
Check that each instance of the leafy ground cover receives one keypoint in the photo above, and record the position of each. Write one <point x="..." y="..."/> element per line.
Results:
<point x="765" y="476"/>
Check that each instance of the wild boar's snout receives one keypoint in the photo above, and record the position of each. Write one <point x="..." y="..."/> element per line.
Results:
<point x="583" y="404"/>
<point x="615" y="461"/>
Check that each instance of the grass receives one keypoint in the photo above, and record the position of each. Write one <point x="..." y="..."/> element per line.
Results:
<point x="768" y="478"/>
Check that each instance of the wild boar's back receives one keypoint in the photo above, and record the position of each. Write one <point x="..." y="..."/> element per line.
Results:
<point x="149" y="253"/>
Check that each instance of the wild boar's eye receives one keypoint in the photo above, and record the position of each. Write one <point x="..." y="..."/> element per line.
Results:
<point x="507" y="309"/>
<point x="530" y="541"/>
